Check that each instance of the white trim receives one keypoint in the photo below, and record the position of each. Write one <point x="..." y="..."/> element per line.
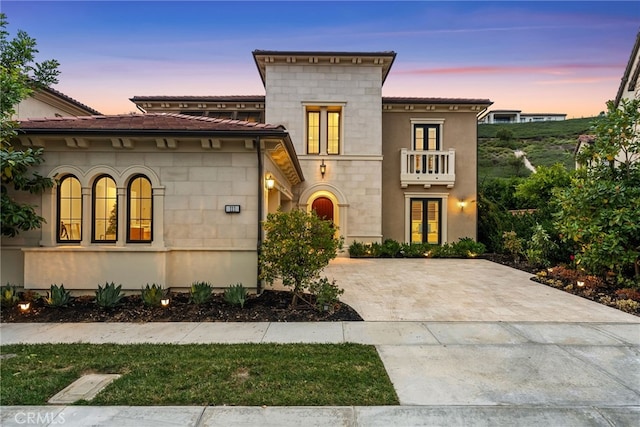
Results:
<point x="444" y="200"/>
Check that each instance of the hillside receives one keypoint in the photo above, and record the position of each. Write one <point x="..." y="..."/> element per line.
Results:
<point x="543" y="144"/>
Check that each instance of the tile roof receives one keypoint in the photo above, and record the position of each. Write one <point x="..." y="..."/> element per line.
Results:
<point x="70" y="100"/>
<point x="417" y="100"/>
<point x="215" y="98"/>
<point x="150" y="123"/>
<point x="384" y="59"/>
<point x="261" y="99"/>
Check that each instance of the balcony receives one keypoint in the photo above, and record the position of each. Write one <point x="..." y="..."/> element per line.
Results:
<point x="427" y="168"/>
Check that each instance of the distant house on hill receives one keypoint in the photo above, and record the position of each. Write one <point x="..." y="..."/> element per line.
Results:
<point x="517" y="116"/>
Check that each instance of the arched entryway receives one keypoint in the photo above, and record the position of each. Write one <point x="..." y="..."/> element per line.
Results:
<point x="328" y="201"/>
<point x="323" y="207"/>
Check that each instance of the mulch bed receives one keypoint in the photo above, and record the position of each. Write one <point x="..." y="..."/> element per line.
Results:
<point x="270" y="306"/>
<point x="568" y="279"/>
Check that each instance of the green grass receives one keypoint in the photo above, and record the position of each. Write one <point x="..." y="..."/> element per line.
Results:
<point x="218" y="374"/>
<point x="562" y="128"/>
<point x="496" y="158"/>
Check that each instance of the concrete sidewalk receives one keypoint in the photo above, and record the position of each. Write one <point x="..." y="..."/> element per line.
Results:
<point x="445" y="373"/>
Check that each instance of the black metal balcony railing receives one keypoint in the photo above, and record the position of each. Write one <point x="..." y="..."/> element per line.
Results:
<point x="427" y="168"/>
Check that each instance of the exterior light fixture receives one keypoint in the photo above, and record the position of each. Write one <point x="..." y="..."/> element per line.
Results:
<point x="164" y="302"/>
<point x="323" y="168"/>
<point x="462" y="204"/>
<point x="24" y="306"/>
<point x="580" y="283"/>
<point x="270" y="182"/>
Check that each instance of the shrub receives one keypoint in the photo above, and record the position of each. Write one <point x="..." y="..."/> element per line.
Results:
<point x="200" y="292"/>
<point x="30" y="295"/>
<point x="390" y="249"/>
<point x="416" y="250"/>
<point x="628" y="305"/>
<point x="236" y="295"/>
<point x="109" y="296"/>
<point x="58" y="296"/>
<point x="541" y="248"/>
<point x="628" y="293"/>
<point x="297" y="247"/>
<point x="512" y="245"/>
<point x="357" y="249"/>
<point x="326" y="293"/>
<point x="504" y="134"/>
<point x="466" y="247"/>
<point x="9" y="296"/>
<point x="152" y="295"/>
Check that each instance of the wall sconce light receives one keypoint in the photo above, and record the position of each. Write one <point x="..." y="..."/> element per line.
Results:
<point x="323" y="168"/>
<point x="462" y="204"/>
<point x="164" y="302"/>
<point x="24" y="306"/>
<point x="270" y="182"/>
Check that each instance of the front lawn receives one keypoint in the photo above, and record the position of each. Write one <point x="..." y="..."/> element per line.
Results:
<point x="218" y="374"/>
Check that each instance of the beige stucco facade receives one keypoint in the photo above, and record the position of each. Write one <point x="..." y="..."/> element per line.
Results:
<point x="459" y="134"/>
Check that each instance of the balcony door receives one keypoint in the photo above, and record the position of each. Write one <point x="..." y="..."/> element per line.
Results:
<point x="426" y="137"/>
<point x="426" y="221"/>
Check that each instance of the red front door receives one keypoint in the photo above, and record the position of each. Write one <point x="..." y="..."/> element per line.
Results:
<point x="323" y="207"/>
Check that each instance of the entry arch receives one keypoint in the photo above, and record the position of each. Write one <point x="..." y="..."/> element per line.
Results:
<point x="332" y="194"/>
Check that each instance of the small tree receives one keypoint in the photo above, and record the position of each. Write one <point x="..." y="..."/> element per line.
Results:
<point x="20" y="75"/>
<point x="600" y="210"/>
<point x="298" y="245"/>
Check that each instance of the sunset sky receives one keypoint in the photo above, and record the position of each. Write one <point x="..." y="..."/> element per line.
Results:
<point x="538" y="57"/>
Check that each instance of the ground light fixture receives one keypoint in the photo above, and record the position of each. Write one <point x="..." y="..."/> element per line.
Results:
<point x="164" y="302"/>
<point x="24" y="306"/>
<point x="580" y="283"/>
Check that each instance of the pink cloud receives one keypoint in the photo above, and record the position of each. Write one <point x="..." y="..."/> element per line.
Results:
<point x="559" y="69"/>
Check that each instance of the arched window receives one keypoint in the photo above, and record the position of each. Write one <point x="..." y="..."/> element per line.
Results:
<point x="69" y="221"/>
<point x="140" y="213"/>
<point x="105" y="210"/>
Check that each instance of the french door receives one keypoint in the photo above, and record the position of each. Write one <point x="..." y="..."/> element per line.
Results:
<point x="426" y="221"/>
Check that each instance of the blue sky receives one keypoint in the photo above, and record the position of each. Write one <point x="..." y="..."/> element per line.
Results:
<point x="565" y="57"/>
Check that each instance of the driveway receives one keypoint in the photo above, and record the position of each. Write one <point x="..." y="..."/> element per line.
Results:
<point x="458" y="290"/>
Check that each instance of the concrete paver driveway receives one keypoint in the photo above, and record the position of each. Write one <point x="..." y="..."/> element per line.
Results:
<point x="458" y="290"/>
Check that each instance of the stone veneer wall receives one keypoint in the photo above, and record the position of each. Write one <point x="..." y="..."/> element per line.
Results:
<point x="356" y="173"/>
<point x="200" y="241"/>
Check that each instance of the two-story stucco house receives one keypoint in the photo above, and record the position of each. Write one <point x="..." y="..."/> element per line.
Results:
<point x="178" y="193"/>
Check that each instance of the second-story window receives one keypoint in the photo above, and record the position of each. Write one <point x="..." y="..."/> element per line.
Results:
<point x="426" y="137"/>
<point x="333" y="132"/>
<point x="324" y="129"/>
<point x="313" y="132"/>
